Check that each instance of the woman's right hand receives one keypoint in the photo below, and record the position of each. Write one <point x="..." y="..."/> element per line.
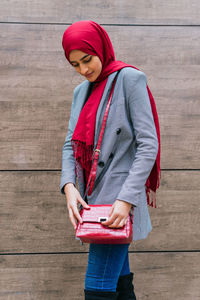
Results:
<point x="73" y="197"/>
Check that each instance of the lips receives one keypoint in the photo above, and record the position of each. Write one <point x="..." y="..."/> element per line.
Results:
<point x="89" y="75"/>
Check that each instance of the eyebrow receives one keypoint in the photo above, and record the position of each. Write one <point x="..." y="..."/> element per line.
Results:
<point x="72" y="61"/>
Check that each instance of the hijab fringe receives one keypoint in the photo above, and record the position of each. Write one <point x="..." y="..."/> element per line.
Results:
<point x="83" y="157"/>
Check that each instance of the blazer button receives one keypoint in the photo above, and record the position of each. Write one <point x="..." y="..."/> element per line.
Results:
<point x="101" y="164"/>
<point x="118" y="130"/>
<point x="111" y="155"/>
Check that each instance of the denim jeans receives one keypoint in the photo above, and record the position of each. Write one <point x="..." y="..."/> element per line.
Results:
<point x="105" y="264"/>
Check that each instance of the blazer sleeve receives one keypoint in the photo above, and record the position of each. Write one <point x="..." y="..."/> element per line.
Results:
<point x="145" y="136"/>
<point x="68" y="161"/>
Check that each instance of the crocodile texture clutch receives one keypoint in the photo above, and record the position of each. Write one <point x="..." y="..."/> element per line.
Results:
<point x="92" y="231"/>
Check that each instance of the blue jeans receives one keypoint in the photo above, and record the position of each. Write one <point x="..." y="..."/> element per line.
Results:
<point x="105" y="264"/>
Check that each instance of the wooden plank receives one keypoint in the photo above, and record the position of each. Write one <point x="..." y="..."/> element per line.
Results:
<point x="34" y="216"/>
<point x="107" y="11"/>
<point x="37" y="83"/>
<point x="176" y="219"/>
<point x="157" y="276"/>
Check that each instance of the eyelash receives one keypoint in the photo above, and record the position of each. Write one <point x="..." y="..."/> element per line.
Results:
<point x="84" y="61"/>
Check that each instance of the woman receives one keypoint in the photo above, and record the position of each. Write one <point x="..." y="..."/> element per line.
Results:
<point x="128" y="165"/>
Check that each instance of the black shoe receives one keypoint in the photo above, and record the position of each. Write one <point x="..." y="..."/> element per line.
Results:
<point x="125" y="288"/>
<point x="93" y="295"/>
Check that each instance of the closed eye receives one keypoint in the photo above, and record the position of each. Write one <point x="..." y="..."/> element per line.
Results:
<point x="75" y="65"/>
<point x="85" y="61"/>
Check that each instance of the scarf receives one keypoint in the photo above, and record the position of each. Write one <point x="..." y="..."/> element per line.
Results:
<point x="91" y="38"/>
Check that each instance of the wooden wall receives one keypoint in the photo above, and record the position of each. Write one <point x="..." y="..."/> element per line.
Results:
<point x="39" y="257"/>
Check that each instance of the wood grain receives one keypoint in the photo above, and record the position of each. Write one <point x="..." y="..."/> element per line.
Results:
<point x="37" y="84"/>
<point x="34" y="216"/>
<point x="180" y="12"/>
<point x="48" y="277"/>
<point x="36" y="91"/>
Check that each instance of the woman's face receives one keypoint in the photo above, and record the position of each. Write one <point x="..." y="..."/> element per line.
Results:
<point x="85" y="64"/>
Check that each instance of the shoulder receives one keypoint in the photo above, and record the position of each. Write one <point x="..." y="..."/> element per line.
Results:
<point x="131" y="79"/>
<point x="132" y="75"/>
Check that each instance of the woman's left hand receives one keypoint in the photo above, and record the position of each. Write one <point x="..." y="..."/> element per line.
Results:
<point x="118" y="215"/>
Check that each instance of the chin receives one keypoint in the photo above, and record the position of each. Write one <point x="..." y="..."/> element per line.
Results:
<point x="92" y="79"/>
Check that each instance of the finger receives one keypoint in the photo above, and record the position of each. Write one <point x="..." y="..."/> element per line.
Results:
<point x="119" y="223"/>
<point x="83" y="203"/>
<point x="110" y="220"/>
<point x="72" y="219"/>
<point x="116" y="223"/>
<point x="69" y="206"/>
<point x="122" y="223"/>
<point x="111" y="210"/>
<point x="76" y="214"/>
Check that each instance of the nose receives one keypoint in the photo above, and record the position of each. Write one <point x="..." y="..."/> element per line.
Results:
<point x="83" y="69"/>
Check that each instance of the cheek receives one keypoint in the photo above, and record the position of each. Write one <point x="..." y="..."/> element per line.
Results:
<point x="99" y="67"/>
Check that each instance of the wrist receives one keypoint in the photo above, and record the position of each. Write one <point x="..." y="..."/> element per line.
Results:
<point x="68" y="186"/>
<point x="127" y="204"/>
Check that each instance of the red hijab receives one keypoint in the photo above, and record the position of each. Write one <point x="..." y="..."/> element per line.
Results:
<point x="91" y="38"/>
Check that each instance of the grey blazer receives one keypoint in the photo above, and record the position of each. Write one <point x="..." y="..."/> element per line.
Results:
<point x="129" y="146"/>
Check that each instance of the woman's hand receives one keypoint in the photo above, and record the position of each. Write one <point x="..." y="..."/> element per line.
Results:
<point x="118" y="215"/>
<point x="73" y="198"/>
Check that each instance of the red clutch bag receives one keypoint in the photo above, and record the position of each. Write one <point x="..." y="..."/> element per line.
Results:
<point x="92" y="231"/>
